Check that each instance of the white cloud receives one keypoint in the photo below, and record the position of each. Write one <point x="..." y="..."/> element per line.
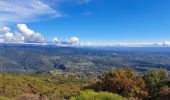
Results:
<point x="166" y="43"/>
<point x="22" y="35"/>
<point x="1" y="40"/>
<point x="127" y="44"/>
<point x="74" y="39"/>
<point x="24" y="29"/>
<point x="5" y="29"/>
<point x="32" y="10"/>
<point x="71" y="41"/>
<point x="29" y="35"/>
<point x="24" y="10"/>
<point x="55" y="40"/>
<point x="9" y="35"/>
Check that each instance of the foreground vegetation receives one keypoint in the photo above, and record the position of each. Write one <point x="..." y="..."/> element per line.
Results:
<point x="18" y="86"/>
<point x="91" y="95"/>
<point x="117" y="84"/>
<point x="151" y="85"/>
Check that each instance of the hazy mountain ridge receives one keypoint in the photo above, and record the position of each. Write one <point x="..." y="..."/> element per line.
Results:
<point x="34" y="58"/>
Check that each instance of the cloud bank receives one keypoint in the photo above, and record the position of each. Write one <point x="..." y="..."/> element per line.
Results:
<point x="24" y="34"/>
<point x="127" y="44"/>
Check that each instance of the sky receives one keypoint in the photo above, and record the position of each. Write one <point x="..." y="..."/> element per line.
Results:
<point x="86" y="22"/>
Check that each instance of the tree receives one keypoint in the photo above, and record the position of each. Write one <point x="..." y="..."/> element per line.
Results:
<point x="124" y="81"/>
<point x="154" y="80"/>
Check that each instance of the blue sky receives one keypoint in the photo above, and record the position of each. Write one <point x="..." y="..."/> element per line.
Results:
<point x="111" y="20"/>
<point x="96" y="20"/>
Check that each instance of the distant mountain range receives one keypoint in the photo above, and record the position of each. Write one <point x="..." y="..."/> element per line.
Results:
<point x="32" y="58"/>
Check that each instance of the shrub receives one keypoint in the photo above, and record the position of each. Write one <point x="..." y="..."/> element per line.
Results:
<point x="154" y="80"/>
<point x="124" y="81"/>
<point x="91" y="95"/>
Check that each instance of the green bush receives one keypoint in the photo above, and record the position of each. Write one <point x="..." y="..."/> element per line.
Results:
<point x="91" y="95"/>
<point x="155" y="80"/>
<point x="123" y="81"/>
